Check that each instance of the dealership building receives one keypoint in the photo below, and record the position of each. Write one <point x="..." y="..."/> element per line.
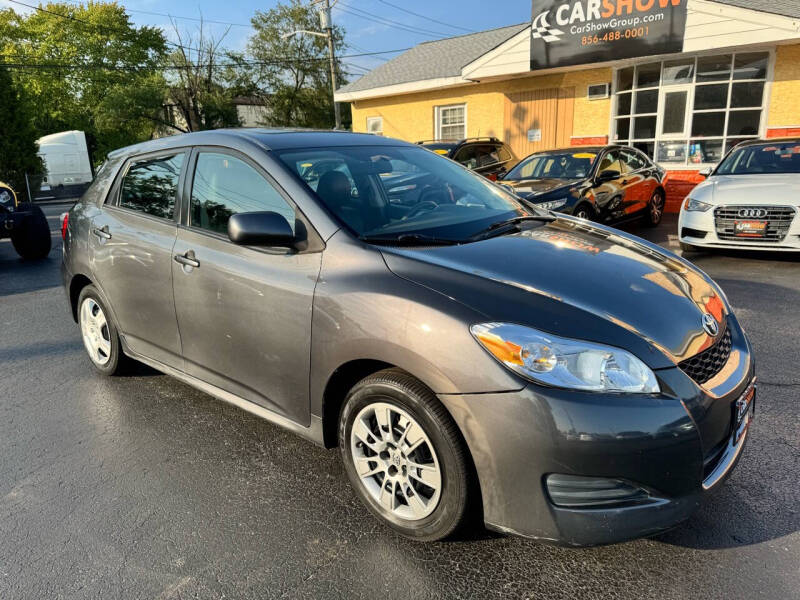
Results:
<point x="682" y="80"/>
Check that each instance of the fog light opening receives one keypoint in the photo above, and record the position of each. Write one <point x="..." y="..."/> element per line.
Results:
<point x="574" y="491"/>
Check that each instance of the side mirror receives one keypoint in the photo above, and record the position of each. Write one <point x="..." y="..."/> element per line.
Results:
<point x="608" y="175"/>
<point x="260" y="229"/>
<point x="706" y="172"/>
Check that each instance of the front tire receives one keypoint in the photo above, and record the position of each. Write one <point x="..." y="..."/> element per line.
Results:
<point x="99" y="334"/>
<point x="584" y="211"/>
<point x="404" y="456"/>
<point x="655" y="208"/>
<point x="31" y="239"/>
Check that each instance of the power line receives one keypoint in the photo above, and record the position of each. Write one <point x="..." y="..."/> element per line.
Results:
<point x="94" y="25"/>
<point x="427" y="18"/>
<point x="170" y="16"/>
<point x="385" y="21"/>
<point x="280" y="60"/>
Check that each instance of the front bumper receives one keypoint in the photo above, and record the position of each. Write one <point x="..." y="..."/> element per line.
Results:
<point x="664" y="443"/>
<point x="704" y="234"/>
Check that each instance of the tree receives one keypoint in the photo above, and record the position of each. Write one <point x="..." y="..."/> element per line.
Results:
<point x="201" y="86"/>
<point x="18" y="139"/>
<point x="87" y="68"/>
<point x="294" y="71"/>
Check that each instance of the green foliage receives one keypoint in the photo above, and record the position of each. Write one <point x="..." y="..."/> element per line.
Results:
<point x="17" y="137"/>
<point x="117" y="99"/>
<point x="296" y="71"/>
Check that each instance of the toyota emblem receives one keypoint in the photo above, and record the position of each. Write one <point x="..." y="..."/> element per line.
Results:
<point x="710" y="325"/>
<point x="752" y="213"/>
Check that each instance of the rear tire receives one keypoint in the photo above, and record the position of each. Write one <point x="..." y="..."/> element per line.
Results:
<point x="655" y="209"/>
<point x="31" y="238"/>
<point x="404" y="456"/>
<point x="99" y="334"/>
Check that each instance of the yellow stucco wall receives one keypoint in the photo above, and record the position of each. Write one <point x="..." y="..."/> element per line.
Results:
<point x="411" y="116"/>
<point x="784" y="107"/>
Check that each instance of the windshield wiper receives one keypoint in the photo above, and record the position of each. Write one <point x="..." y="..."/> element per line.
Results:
<point x="408" y="239"/>
<point x="503" y="227"/>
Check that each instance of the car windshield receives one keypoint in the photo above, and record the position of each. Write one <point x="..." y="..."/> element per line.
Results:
<point x="554" y="165"/>
<point x="392" y="191"/>
<point x="783" y="157"/>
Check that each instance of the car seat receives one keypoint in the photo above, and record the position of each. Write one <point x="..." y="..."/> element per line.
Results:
<point x="335" y="190"/>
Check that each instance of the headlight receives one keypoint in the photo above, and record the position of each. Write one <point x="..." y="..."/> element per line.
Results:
<point x="565" y="363"/>
<point x="6" y="199"/>
<point x="552" y="204"/>
<point x="693" y="205"/>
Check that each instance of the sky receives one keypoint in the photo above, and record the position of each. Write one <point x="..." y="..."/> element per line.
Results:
<point x="370" y="25"/>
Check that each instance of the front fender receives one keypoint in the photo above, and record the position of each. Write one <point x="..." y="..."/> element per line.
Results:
<point x="364" y="311"/>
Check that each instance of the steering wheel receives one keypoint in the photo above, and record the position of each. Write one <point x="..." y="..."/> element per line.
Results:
<point x="421" y="208"/>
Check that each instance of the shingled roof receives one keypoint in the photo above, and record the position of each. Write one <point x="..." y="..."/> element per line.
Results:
<point x="432" y="60"/>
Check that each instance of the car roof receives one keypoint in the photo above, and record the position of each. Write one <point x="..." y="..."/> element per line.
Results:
<point x="577" y="149"/>
<point x="268" y="139"/>
<point x="781" y="140"/>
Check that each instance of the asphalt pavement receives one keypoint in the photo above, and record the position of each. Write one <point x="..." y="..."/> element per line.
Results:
<point x="142" y="487"/>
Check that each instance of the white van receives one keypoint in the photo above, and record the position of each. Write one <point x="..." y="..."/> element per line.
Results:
<point x="66" y="159"/>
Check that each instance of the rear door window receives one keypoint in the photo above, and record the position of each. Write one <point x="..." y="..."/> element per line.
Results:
<point x="150" y="185"/>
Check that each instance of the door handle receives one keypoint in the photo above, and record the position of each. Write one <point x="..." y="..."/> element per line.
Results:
<point x="103" y="233"/>
<point x="187" y="259"/>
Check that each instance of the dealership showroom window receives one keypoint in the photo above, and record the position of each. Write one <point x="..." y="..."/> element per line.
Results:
<point x="692" y="110"/>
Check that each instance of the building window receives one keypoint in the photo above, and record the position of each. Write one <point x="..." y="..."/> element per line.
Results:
<point x="375" y="125"/>
<point x="690" y="111"/>
<point x="451" y="122"/>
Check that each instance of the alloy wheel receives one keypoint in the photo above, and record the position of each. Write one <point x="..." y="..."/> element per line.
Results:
<point x="656" y="207"/>
<point x="95" y="333"/>
<point x="395" y="461"/>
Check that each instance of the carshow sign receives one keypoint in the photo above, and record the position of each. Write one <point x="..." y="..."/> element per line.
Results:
<point x="578" y="32"/>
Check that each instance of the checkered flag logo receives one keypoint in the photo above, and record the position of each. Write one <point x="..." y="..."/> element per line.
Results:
<point x="542" y="30"/>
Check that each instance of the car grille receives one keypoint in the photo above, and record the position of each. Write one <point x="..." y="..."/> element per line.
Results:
<point x="779" y="219"/>
<point x="704" y="366"/>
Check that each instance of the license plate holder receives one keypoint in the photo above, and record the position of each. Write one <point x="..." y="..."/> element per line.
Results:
<point x="743" y="412"/>
<point x="750" y="228"/>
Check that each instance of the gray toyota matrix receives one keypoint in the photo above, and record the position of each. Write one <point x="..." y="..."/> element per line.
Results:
<point x="469" y="354"/>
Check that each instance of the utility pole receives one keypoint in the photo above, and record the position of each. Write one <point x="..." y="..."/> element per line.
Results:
<point x="327" y="26"/>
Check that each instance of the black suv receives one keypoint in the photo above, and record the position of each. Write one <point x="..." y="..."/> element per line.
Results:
<point x="485" y="155"/>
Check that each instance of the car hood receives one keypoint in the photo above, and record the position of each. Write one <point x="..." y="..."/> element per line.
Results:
<point x="751" y="189"/>
<point x="580" y="281"/>
<point x="534" y="187"/>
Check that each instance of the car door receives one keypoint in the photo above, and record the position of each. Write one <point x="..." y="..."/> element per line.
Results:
<point x="639" y="182"/>
<point x="244" y="313"/>
<point x="130" y="250"/>
<point x="610" y="193"/>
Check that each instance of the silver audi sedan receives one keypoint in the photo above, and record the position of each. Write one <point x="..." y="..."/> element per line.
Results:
<point x="750" y="200"/>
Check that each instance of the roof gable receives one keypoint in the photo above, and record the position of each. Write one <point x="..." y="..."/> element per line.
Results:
<point x="434" y="60"/>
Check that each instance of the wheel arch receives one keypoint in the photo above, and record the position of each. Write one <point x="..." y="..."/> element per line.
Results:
<point x="338" y="385"/>
<point x="76" y="286"/>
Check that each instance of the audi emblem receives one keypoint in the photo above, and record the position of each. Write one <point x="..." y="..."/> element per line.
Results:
<point x="753" y="213"/>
